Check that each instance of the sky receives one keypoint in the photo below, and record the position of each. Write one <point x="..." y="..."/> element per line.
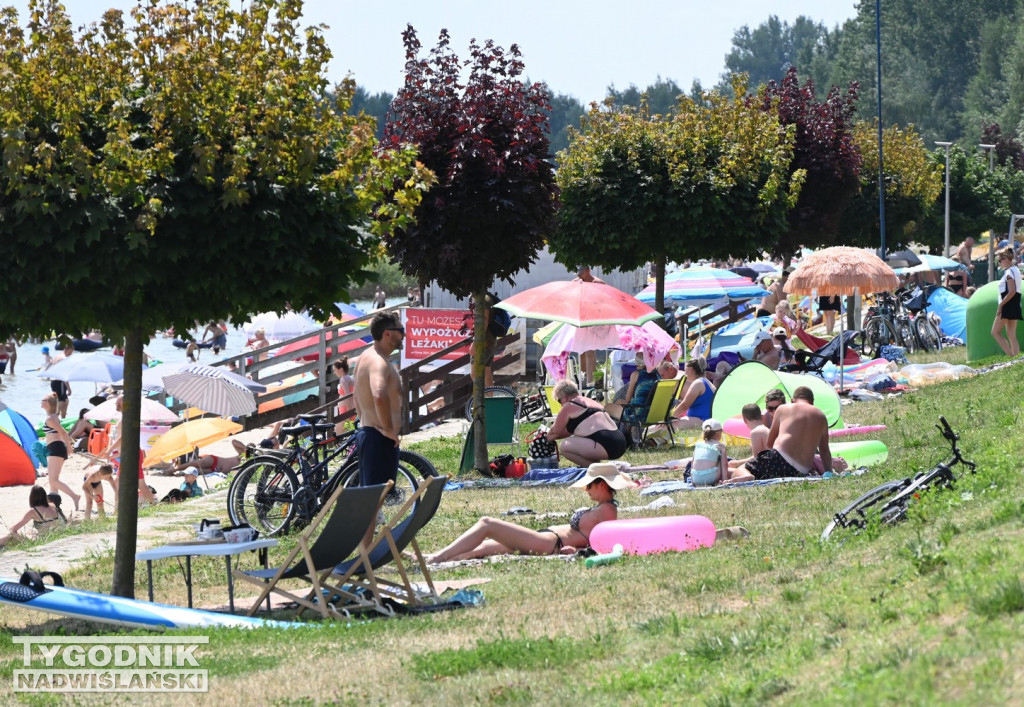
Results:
<point x="576" y="47"/>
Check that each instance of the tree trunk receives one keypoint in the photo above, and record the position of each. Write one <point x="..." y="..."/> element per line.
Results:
<point x="659" y="284"/>
<point x="128" y="476"/>
<point x="480" y="319"/>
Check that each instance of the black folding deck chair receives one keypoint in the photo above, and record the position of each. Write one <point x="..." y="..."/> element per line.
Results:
<point x="388" y="546"/>
<point x="349" y="512"/>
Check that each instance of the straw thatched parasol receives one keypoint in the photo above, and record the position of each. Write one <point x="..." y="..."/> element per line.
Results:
<point x="841" y="270"/>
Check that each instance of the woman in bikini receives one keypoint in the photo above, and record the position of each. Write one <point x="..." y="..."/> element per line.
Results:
<point x="491" y="536"/>
<point x="41" y="514"/>
<point x="590" y="433"/>
<point x="58" y="445"/>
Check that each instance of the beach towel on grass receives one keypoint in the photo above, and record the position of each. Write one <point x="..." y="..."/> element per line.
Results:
<point x="673" y="486"/>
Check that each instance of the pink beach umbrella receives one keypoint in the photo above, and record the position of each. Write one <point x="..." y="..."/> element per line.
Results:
<point x="649" y="339"/>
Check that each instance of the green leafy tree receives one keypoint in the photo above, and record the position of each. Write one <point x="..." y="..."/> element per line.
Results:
<point x="979" y="199"/>
<point x="566" y="112"/>
<point x="912" y="184"/>
<point x="374" y="105"/>
<point x="495" y="196"/>
<point x="712" y="180"/>
<point x="660" y="97"/>
<point x="824" y="150"/>
<point x="142" y="163"/>
<point x="774" y="47"/>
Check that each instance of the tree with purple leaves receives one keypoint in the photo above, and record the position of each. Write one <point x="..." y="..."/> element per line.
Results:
<point x="493" y="204"/>
<point x="825" y="150"/>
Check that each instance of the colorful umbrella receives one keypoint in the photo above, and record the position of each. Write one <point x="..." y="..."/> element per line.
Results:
<point x="932" y="262"/>
<point x="95" y="367"/>
<point x="153" y="378"/>
<point x="704" y="286"/>
<point x="183" y="438"/>
<point x="152" y="411"/>
<point x="650" y="339"/>
<point x="579" y="303"/>
<point x="212" y="389"/>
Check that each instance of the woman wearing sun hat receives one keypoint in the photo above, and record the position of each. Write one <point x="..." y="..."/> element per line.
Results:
<point x="491" y="536"/>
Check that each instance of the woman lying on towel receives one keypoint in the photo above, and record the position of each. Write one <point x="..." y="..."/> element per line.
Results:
<point x="491" y="536"/>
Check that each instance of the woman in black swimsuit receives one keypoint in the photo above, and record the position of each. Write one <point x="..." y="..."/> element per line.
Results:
<point x="956" y="280"/>
<point x="58" y="446"/>
<point x="590" y="433"/>
<point x="490" y="536"/>
<point x="41" y="514"/>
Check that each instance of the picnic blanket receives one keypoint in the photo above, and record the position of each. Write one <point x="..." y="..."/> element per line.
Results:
<point x="659" y="487"/>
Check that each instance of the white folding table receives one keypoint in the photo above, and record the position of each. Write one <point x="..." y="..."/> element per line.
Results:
<point x="195" y="548"/>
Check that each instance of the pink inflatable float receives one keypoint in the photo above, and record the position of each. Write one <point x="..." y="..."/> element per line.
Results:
<point x="643" y="536"/>
<point x="736" y="427"/>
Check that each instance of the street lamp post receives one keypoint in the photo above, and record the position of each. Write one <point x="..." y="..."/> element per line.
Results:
<point x="945" y="250"/>
<point x="991" y="150"/>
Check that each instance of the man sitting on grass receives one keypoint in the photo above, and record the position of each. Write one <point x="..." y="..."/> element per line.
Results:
<point x="798" y="431"/>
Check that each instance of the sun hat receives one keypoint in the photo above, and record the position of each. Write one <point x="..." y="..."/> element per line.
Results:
<point x="607" y="472"/>
<point x="711" y="424"/>
<point x="46" y="349"/>
<point x="780" y="331"/>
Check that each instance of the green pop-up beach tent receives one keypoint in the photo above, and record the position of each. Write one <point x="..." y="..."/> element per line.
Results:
<point x="750" y="381"/>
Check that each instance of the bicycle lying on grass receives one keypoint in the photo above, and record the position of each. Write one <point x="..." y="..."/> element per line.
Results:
<point x="267" y="492"/>
<point x="888" y="503"/>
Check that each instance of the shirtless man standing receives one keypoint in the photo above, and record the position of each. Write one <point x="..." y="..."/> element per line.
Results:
<point x="378" y="402"/>
<point x="798" y="431"/>
<point x="964" y="256"/>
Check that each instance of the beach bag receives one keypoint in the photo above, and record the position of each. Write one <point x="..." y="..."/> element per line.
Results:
<point x="500" y="319"/>
<point x="539" y="445"/>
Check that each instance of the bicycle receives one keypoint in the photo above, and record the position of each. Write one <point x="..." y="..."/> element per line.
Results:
<point x="267" y="493"/>
<point x="927" y="335"/>
<point x="888" y="502"/>
<point x="880" y="326"/>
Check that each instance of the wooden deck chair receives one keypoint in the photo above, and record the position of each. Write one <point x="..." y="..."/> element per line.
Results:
<point x="658" y="409"/>
<point x="388" y="546"/>
<point x="348" y="513"/>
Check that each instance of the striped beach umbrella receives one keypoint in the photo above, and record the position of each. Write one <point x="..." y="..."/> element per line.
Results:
<point x="704" y="286"/>
<point x="212" y="389"/>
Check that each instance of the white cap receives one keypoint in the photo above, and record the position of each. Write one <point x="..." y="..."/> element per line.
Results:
<point x="191" y="470"/>
<point x="711" y="424"/>
<point x="762" y="336"/>
<point x="780" y="331"/>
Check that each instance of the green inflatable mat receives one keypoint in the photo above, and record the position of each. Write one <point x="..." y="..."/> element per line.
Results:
<point x="867" y="452"/>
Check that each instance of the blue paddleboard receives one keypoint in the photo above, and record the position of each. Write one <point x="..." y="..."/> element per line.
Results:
<point x="120" y="611"/>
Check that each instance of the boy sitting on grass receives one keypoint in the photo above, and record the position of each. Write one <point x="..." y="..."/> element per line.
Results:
<point x="758" y="435"/>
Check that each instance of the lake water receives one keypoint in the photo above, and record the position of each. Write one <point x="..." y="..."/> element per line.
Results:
<point x="24" y="390"/>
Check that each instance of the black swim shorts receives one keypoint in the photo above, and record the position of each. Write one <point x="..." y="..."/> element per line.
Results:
<point x="769" y="464"/>
<point x="378" y="457"/>
<point x="57" y="449"/>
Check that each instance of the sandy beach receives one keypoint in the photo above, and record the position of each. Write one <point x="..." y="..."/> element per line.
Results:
<point x="14" y="499"/>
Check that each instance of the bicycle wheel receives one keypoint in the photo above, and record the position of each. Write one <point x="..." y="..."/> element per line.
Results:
<point x="261" y="495"/>
<point x="905" y="334"/>
<point x="927" y="334"/>
<point x="411" y="468"/>
<point x="878" y="332"/>
<point x="855" y="514"/>
<point x="492" y="391"/>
